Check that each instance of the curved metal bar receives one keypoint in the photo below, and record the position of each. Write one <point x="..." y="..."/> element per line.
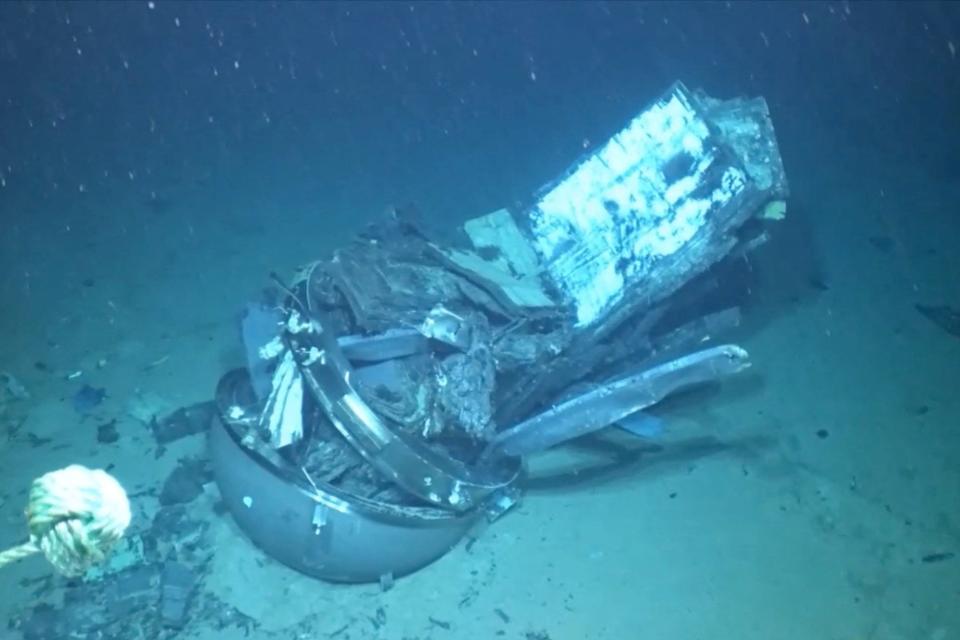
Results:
<point x="615" y="400"/>
<point x="409" y="463"/>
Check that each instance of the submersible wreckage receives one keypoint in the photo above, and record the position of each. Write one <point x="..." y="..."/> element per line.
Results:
<point x="393" y="389"/>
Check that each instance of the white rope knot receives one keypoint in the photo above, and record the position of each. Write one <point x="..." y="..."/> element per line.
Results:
<point x="76" y="515"/>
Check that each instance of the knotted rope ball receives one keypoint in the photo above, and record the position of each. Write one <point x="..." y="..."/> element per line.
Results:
<point x="75" y="516"/>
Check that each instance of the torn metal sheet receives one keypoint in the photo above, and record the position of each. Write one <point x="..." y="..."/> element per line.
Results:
<point x="640" y="198"/>
<point x="499" y="234"/>
<point x="282" y="417"/>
